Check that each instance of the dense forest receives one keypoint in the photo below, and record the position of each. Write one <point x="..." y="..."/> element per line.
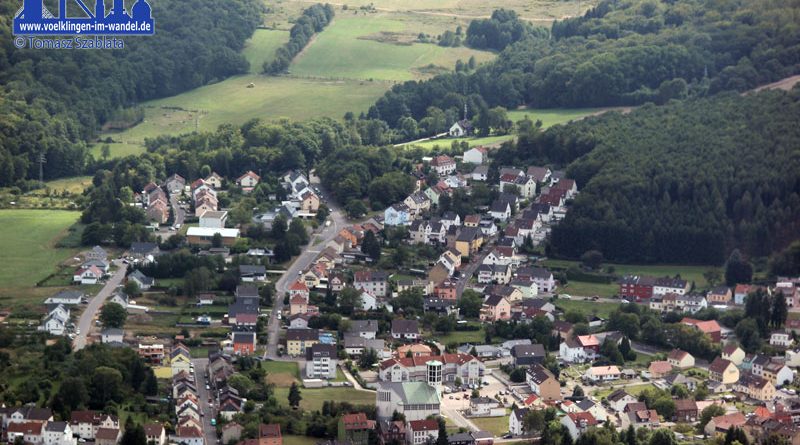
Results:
<point x="499" y="31"/>
<point x="313" y="20"/>
<point x="619" y="53"/>
<point x="684" y="182"/>
<point x="53" y="101"/>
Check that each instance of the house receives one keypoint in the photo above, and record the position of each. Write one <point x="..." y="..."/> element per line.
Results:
<point x="355" y="346"/>
<point x="667" y="285"/>
<point x="685" y="410"/>
<point x="297" y="340"/>
<point x="468" y="241"/>
<point x="495" y="308"/>
<point x="405" y="329"/>
<point x="155" y="434"/>
<point x="542" y="277"/>
<point x="659" y="369"/>
<point x="321" y="361"/>
<point x="543" y="383"/>
<point x="636" y="288"/>
<point x="414" y="400"/>
<point x="111" y="436"/>
<point x="374" y="282"/>
<point x="680" y="359"/>
<point x="56" y="321"/>
<point x="460" y="129"/>
<point x="755" y="387"/>
<point x="476" y="155"/>
<point x="355" y="428"/>
<point x="397" y="215"/>
<point x="143" y="281"/>
<point x="710" y="327"/>
<point x="720" y="295"/>
<point x="270" y="434"/>
<point x="526" y="355"/>
<point x="775" y="371"/>
<point x="214" y="219"/>
<point x="602" y="373"/>
<point x="309" y="202"/>
<point x="485" y="407"/>
<point x="391" y="432"/>
<point x="733" y="353"/>
<point x="516" y="421"/>
<point x="96" y="253"/>
<point x="643" y="418"/>
<point x="58" y="433"/>
<point x="417" y="203"/>
<point x="157" y="211"/>
<point x="204" y="236"/>
<point x="244" y="343"/>
<point x="252" y="273"/>
<point x="153" y="354"/>
<point x="231" y="431"/>
<point x="433" y="369"/>
<point x="421" y="432"/>
<point x="175" y="183"/>
<point x="87" y="275"/>
<point x="500" y="211"/>
<point x="619" y="399"/>
<point x="571" y="351"/>
<point x="414" y="350"/>
<point x="144" y="251"/>
<point x="248" y="180"/>
<point x="214" y="180"/>
<point x="66" y="298"/>
<point x="578" y="423"/>
<point x="722" y="424"/>
<point x="780" y="339"/>
<point x="112" y="335"/>
<point x="28" y="432"/>
<point x="189" y="435"/>
<point x="364" y="328"/>
<point x="723" y="371"/>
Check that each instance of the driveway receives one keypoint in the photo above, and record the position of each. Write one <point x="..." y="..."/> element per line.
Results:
<point x="85" y="322"/>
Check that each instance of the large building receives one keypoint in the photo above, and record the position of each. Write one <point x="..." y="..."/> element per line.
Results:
<point x="433" y="370"/>
<point x="414" y="400"/>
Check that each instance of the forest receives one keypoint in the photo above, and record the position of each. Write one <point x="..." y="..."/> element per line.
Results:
<point x="53" y="102"/>
<point x="619" y="53"/>
<point x="683" y="183"/>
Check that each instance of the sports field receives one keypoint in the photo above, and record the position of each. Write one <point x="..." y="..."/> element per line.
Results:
<point x="27" y="247"/>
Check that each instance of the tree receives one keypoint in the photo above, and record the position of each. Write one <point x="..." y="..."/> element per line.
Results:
<point x="106" y="386"/>
<point x="113" y="315"/>
<point x="712" y="276"/>
<point x="355" y="208"/>
<point x="470" y="304"/>
<point x="592" y="259"/>
<point x="371" y="246"/>
<point x="216" y="240"/>
<point x="734" y="435"/>
<point x="131" y="289"/>
<point x="748" y="334"/>
<point x="779" y="311"/>
<point x="349" y="300"/>
<point x="368" y="358"/>
<point x="664" y="406"/>
<point x="134" y="435"/>
<point x="662" y="436"/>
<point x="577" y="393"/>
<point x="442" y="439"/>
<point x="105" y="151"/>
<point x="737" y="270"/>
<point x="710" y="412"/>
<point x="534" y="421"/>
<point x="197" y="281"/>
<point x="294" y="396"/>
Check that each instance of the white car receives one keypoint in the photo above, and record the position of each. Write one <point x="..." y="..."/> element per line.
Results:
<point x="566" y="296"/>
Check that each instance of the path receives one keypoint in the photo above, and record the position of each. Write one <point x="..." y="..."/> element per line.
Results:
<point x="357" y="386"/>
<point x="307" y="256"/>
<point x="85" y="322"/>
<point x="458" y="419"/>
<point x="783" y="84"/>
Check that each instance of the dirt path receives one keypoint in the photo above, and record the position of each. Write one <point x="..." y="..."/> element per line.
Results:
<point x="783" y="84"/>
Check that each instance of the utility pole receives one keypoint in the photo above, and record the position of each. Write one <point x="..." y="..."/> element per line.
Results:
<point x="42" y="161"/>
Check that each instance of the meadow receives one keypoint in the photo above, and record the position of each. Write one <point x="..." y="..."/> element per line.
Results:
<point x="28" y="249"/>
<point x="554" y="116"/>
<point x="314" y="398"/>
<point x="690" y="273"/>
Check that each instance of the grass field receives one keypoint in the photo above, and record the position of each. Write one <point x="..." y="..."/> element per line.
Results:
<point x="495" y="425"/>
<point x="447" y="142"/>
<point x="27" y="247"/>
<point x="583" y="288"/>
<point x="313" y="398"/>
<point x="299" y="440"/>
<point x="633" y="390"/>
<point x="75" y="185"/>
<point x="261" y="47"/>
<point x="462" y="337"/>
<point x="552" y="116"/>
<point x="690" y="273"/>
<point x="602" y="310"/>
<point x="377" y="47"/>
<point x="117" y="150"/>
<point x="281" y="374"/>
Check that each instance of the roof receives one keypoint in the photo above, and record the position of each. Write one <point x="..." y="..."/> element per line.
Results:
<point x="112" y="331"/>
<point x="719" y="365"/>
<point x="660" y="367"/>
<point x="685" y="405"/>
<point x="188" y="431"/>
<point x="34" y="428"/>
<point x="413" y="361"/>
<point x="538" y="374"/>
<point x="730" y="348"/>
<point x="706" y="327"/>
<point x="269" y="430"/>
<point x="617" y="395"/>
<point x="108" y="434"/>
<point x="357" y="421"/>
<point x="577" y="418"/>
<point x="252" y="269"/>
<point x="363" y="326"/>
<point x="211" y="231"/>
<point x="727" y="421"/>
<point x="604" y="370"/>
<point x="534" y="350"/>
<point x="298" y="286"/>
<point x="405" y="326"/>
<point x="153" y="429"/>
<point x="588" y="340"/>
<point x="416" y="393"/>
<point x="424" y="425"/>
<point x="677" y="354"/>
<point x="319" y="350"/>
<point x="302" y="334"/>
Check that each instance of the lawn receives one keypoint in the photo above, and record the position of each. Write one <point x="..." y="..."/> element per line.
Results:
<point x="261" y="47"/>
<point x="313" y="398"/>
<point x="75" y="185"/>
<point x="281" y="374"/>
<point x="447" y="142"/>
<point x="602" y="310"/>
<point x="586" y="289"/>
<point x="691" y="273"/>
<point x="300" y="440"/>
<point x="27" y="247"/>
<point x="495" y="425"/>
<point x="376" y="47"/>
<point x="552" y="116"/>
<point x="633" y="390"/>
<point x="462" y="337"/>
<point x="117" y="150"/>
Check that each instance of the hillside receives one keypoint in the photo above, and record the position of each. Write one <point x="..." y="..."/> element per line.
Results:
<point x="682" y="183"/>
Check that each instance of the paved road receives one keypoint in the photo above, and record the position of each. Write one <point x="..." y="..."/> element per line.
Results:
<point x="180" y="213"/>
<point x="305" y="259"/>
<point x="85" y="322"/>
<point x="209" y="432"/>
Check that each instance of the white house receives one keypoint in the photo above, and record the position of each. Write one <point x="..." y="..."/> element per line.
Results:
<point x="516" y="421"/>
<point x="578" y="423"/>
<point x="603" y="373"/>
<point x="781" y="339"/>
<point x="58" y="433"/>
<point x="112" y="335"/>
<point x="619" y="399"/>
<point x="189" y="435"/>
<point x="87" y="275"/>
<point x="460" y="129"/>
<point x="476" y="155"/>
<point x="572" y="352"/>
<point x="368" y="301"/>
<point x="56" y="321"/>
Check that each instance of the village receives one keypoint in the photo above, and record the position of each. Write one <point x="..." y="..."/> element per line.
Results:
<point x="423" y="312"/>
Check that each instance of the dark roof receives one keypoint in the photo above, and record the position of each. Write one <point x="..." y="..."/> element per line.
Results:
<point x="405" y="327"/>
<point x="538" y="373"/>
<point x="535" y="350"/>
<point x="248" y="269"/>
<point x="363" y="326"/>
<point x="140" y="277"/>
<point x="302" y="334"/>
<point x="719" y="365"/>
<point x="246" y="290"/>
<point x="143" y="248"/>
<point x="319" y="350"/>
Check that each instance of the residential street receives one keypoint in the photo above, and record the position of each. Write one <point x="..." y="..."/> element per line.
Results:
<point x="316" y="244"/>
<point x="85" y="323"/>
<point x="209" y="431"/>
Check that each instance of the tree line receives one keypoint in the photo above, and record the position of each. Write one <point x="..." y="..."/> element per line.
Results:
<point x="313" y="20"/>
<point x="620" y="53"/>
<point x="53" y="102"/>
<point x="501" y="30"/>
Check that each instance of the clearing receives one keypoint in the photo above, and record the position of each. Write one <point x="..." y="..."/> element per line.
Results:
<point x="28" y="249"/>
<point x="314" y="398"/>
<point x="495" y="425"/>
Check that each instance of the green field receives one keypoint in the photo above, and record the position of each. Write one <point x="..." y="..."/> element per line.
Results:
<point x="495" y="425"/>
<point x="313" y="398"/>
<point x="447" y="142"/>
<point x="117" y="150"/>
<point x="602" y="310"/>
<point x="379" y="47"/>
<point x="584" y="288"/>
<point x="633" y="390"/>
<point x="462" y="337"/>
<point x="552" y="116"/>
<point x="299" y="440"/>
<point x="74" y="185"/>
<point x="690" y="273"/>
<point x="261" y="47"/>
<point x="27" y="247"/>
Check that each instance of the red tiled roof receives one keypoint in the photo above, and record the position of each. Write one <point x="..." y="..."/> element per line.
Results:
<point x="299" y="285"/>
<point x="357" y="421"/>
<point x="705" y="327"/>
<point x="583" y="416"/>
<point x="424" y="425"/>
<point x="269" y="430"/>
